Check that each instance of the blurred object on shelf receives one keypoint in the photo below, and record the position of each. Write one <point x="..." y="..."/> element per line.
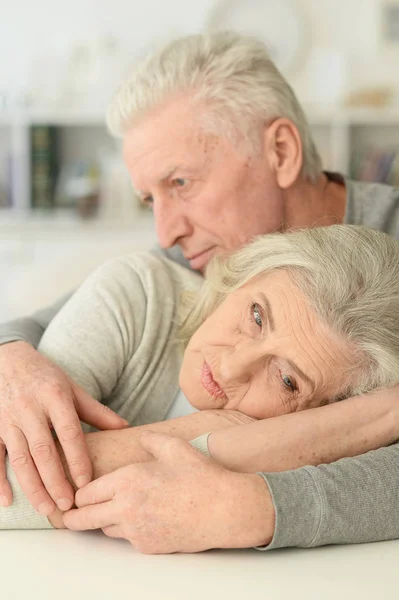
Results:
<point x="390" y="21"/>
<point x="373" y="96"/>
<point x="118" y="200"/>
<point x="327" y="76"/>
<point x="3" y="196"/>
<point x="44" y="165"/>
<point x="375" y="164"/>
<point x="79" y="187"/>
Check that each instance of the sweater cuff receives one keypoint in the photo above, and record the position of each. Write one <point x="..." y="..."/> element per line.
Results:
<point x="21" y="330"/>
<point x="21" y="514"/>
<point x="298" y="508"/>
<point x="201" y="443"/>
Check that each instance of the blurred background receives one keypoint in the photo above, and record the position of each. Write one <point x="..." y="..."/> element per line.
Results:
<point x="66" y="203"/>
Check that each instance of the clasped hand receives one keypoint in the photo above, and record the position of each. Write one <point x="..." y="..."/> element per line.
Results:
<point x="180" y="502"/>
<point x="35" y="397"/>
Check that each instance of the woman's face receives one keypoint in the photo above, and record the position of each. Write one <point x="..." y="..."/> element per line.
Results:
<point x="264" y="352"/>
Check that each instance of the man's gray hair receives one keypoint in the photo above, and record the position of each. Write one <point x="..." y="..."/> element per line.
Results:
<point x="350" y="277"/>
<point x="231" y="75"/>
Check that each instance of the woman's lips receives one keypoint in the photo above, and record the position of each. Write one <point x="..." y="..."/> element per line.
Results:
<point x="209" y="383"/>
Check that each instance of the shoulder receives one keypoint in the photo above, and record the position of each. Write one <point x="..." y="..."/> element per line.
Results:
<point x="374" y="205"/>
<point x="152" y="271"/>
<point x="139" y="286"/>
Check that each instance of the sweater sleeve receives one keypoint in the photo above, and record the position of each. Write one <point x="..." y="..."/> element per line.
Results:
<point x="31" y="328"/>
<point x="21" y="514"/>
<point x="97" y="330"/>
<point x="351" y="501"/>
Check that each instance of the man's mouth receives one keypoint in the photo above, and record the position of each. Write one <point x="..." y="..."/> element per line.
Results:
<point x="200" y="260"/>
<point x="211" y="386"/>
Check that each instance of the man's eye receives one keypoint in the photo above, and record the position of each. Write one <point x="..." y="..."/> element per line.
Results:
<point x="288" y="382"/>
<point x="256" y="314"/>
<point x="148" y="201"/>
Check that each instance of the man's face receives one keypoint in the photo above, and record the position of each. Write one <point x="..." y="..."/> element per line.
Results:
<point x="207" y="196"/>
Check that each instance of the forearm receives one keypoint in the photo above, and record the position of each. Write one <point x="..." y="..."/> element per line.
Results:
<point x="110" y="450"/>
<point x="323" y="435"/>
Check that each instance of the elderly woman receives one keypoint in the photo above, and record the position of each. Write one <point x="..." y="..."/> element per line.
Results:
<point x="289" y="322"/>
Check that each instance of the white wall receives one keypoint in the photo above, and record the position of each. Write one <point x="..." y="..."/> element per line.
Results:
<point x="30" y="29"/>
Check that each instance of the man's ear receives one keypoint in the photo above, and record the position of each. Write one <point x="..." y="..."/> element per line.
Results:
<point x="283" y="147"/>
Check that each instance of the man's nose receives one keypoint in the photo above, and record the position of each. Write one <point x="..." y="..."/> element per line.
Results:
<point x="171" y="223"/>
<point x="240" y="363"/>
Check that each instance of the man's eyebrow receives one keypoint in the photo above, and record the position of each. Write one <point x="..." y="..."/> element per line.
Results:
<point x="272" y="325"/>
<point x="166" y="175"/>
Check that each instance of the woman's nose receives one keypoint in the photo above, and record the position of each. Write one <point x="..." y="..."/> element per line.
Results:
<point x="240" y="363"/>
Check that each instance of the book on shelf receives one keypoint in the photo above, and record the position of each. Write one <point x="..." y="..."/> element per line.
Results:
<point x="374" y="164"/>
<point x="44" y="165"/>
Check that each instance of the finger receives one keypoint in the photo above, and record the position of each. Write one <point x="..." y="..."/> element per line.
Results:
<point x="96" y="516"/>
<point x="113" y="531"/>
<point x="47" y="459"/>
<point x="70" y="435"/>
<point x="96" y="414"/>
<point x="100" y="490"/>
<point x="48" y="462"/>
<point x="25" y="471"/>
<point x="5" y="488"/>
<point x="167" y="447"/>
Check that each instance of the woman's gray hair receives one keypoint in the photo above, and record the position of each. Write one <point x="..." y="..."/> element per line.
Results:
<point x="350" y="277"/>
<point x="231" y="75"/>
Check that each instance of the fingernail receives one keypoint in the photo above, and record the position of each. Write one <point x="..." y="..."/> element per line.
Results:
<point x="82" y="480"/>
<point x="64" y="504"/>
<point x="4" y="501"/>
<point x="45" y="509"/>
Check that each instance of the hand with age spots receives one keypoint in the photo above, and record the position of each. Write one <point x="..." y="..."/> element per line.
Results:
<point x="180" y="502"/>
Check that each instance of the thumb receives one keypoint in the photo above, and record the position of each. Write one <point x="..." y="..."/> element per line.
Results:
<point x="168" y="448"/>
<point x="94" y="413"/>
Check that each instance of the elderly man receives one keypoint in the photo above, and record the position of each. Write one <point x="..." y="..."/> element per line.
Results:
<point x="217" y="144"/>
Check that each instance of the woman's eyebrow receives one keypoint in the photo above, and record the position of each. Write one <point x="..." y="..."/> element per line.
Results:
<point x="269" y="313"/>
<point x="301" y="374"/>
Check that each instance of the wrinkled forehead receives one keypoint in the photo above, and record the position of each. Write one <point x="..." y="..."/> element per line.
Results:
<point x="167" y="140"/>
<point x="171" y="123"/>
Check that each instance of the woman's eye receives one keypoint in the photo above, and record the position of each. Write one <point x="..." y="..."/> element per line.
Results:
<point x="256" y="314"/>
<point x="288" y="382"/>
<point x="180" y="181"/>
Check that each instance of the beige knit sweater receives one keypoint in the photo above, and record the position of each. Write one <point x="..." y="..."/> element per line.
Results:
<point x="116" y="337"/>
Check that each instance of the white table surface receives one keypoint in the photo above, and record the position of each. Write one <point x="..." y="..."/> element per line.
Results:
<point x="61" y="565"/>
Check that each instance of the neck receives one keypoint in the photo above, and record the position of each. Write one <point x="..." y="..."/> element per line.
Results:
<point x="314" y="204"/>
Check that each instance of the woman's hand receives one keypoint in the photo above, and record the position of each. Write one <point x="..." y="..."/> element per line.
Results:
<point x="35" y="396"/>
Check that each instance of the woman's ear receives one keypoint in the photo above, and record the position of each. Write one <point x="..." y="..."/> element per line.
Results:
<point x="283" y="146"/>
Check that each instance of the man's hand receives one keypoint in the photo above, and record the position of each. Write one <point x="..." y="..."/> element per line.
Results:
<point x="35" y="396"/>
<point x="181" y="502"/>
